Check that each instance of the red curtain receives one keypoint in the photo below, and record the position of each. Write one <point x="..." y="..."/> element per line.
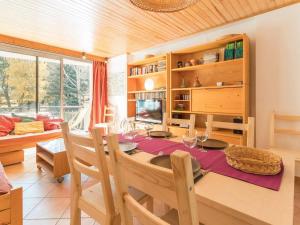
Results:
<point x="99" y="93"/>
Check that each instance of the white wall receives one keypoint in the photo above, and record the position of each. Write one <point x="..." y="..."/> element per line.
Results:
<point x="277" y="67"/>
<point x="275" y="62"/>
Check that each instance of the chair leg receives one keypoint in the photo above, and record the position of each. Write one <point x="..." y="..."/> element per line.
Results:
<point x="116" y="220"/>
<point x="75" y="211"/>
<point x="75" y="215"/>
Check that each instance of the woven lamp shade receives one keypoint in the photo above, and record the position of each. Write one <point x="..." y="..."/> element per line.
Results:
<point x="163" y="5"/>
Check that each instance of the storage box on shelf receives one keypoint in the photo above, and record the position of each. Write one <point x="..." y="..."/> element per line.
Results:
<point x="154" y="68"/>
<point x="224" y="83"/>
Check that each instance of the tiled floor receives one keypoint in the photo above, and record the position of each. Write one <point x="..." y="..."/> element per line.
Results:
<point x="46" y="202"/>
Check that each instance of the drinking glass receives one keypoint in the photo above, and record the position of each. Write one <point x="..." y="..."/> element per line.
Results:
<point x="123" y="126"/>
<point x="128" y="130"/>
<point x="202" y="137"/>
<point x="189" y="140"/>
<point x="148" y="127"/>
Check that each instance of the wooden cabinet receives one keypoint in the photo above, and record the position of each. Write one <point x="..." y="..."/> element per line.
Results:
<point x="227" y="101"/>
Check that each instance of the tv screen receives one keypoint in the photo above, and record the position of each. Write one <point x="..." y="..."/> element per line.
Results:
<point x="149" y="111"/>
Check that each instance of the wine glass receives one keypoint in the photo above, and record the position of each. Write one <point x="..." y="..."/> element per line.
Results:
<point x="148" y="127"/>
<point x="123" y="126"/>
<point x="202" y="137"/>
<point x="129" y="130"/>
<point x="189" y="140"/>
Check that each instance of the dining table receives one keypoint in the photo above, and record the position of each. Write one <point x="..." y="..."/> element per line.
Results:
<point x="223" y="200"/>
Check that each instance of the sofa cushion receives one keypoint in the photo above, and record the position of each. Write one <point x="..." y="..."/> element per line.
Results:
<point x="5" y="186"/>
<point x="14" y="120"/>
<point x="6" y="125"/>
<point x="40" y="117"/>
<point x="29" y="127"/>
<point x="49" y="124"/>
<point x="52" y="124"/>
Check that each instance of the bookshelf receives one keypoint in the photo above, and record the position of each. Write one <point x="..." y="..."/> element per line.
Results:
<point x="154" y="68"/>
<point x="224" y="83"/>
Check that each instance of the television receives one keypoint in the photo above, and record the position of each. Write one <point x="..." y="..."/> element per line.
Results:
<point x="149" y="111"/>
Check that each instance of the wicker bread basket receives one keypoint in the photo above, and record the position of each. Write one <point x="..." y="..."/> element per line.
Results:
<point x="251" y="160"/>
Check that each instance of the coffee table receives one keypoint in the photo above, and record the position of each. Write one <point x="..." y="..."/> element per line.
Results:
<point x="51" y="155"/>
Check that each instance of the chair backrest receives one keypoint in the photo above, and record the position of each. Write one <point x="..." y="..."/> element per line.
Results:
<point x="174" y="187"/>
<point x="285" y="131"/>
<point x="86" y="156"/>
<point x="109" y="113"/>
<point x="248" y="127"/>
<point x="169" y="121"/>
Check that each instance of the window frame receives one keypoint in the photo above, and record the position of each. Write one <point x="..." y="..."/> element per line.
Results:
<point x="42" y="54"/>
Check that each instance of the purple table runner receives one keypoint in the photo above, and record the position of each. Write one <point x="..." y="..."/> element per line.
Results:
<point x="214" y="161"/>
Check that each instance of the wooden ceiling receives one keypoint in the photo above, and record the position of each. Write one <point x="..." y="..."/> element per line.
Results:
<point x="112" y="27"/>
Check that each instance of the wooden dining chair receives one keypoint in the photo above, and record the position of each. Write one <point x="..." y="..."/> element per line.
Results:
<point x="246" y="127"/>
<point x="181" y="122"/>
<point x="289" y="120"/>
<point x="86" y="156"/>
<point x="173" y="186"/>
<point x="282" y="131"/>
<point x="109" y="118"/>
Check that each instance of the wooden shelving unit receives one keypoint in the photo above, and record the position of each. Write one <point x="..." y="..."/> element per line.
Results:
<point x="209" y="65"/>
<point x="226" y="102"/>
<point x="147" y="75"/>
<point x="208" y="87"/>
<point x="148" y="60"/>
<point x="135" y="83"/>
<point x="144" y="91"/>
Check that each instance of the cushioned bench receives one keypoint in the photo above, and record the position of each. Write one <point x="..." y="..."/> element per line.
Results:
<point x="11" y="146"/>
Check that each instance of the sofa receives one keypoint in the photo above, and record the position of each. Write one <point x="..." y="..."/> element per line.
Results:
<point x="15" y="137"/>
<point x="12" y="146"/>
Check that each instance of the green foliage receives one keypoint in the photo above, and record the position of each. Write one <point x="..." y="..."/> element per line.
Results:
<point x="70" y="85"/>
<point x="3" y="81"/>
<point x="17" y="82"/>
<point x="18" y="85"/>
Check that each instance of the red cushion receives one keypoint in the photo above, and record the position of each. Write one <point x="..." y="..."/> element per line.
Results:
<point x="49" y="124"/>
<point x="2" y="134"/>
<point x="5" y="186"/>
<point x="6" y="125"/>
<point x="52" y="124"/>
<point x="14" y="120"/>
<point x="42" y="117"/>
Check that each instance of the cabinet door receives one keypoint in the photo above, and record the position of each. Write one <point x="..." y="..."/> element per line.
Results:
<point x="219" y="100"/>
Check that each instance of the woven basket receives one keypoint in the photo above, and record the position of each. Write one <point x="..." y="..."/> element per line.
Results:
<point x="251" y="160"/>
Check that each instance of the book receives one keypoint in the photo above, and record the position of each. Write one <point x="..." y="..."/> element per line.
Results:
<point x="229" y="51"/>
<point x="238" y="49"/>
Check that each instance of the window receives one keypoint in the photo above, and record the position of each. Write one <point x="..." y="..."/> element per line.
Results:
<point x="17" y="83"/>
<point x="77" y="77"/>
<point x="49" y="86"/>
<point x="33" y="84"/>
